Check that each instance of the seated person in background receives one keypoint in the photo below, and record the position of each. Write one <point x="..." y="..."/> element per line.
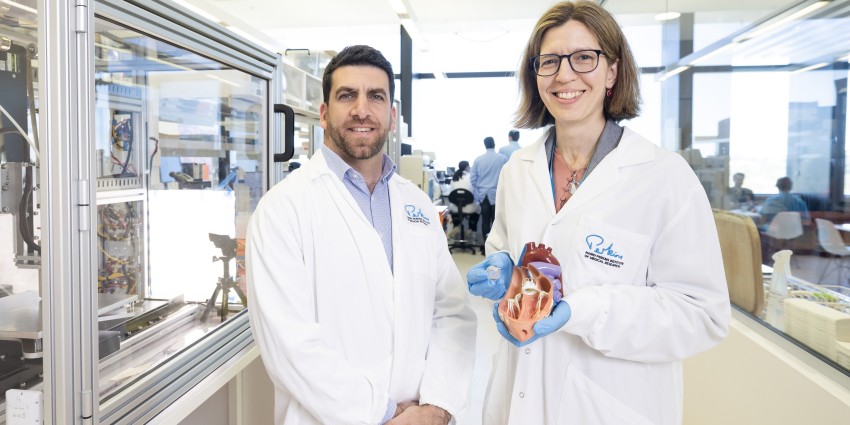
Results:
<point x="741" y="197"/>
<point x="461" y="180"/>
<point x="784" y="201"/>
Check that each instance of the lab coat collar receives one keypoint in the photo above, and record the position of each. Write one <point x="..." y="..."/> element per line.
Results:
<point x="318" y="169"/>
<point x="632" y="150"/>
<point x="538" y="168"/>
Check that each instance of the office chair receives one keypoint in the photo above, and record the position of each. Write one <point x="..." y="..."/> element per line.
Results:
<point x="741" y="249"/>
<point x="832" y="242"/>
<point x="461" y="198"/>
<point x="786" y="225"/>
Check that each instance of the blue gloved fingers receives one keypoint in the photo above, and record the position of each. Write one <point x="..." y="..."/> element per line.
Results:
<point x="487" y="289"/>
<point x="480" y="285"/>
<point x="559" y="317"/>
<point x="484" y="287"/>
<point x="476" y="280"/>
<point x="476" y="274"/>
<point x="501" y="260"/>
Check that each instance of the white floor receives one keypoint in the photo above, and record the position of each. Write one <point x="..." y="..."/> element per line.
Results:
<point x="486" y="343"/>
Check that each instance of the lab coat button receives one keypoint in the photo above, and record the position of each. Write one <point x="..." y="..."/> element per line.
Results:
<point x="527" y="351"/>
<point x="521" y="395"/>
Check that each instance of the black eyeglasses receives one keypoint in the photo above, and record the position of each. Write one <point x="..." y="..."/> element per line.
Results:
<point x="581" y="61"/>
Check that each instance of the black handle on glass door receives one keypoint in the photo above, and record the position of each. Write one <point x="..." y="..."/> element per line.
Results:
<point x="288" y="132"/>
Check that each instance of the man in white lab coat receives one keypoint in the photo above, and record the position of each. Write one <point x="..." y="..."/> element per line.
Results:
<point x="357" y="307"/>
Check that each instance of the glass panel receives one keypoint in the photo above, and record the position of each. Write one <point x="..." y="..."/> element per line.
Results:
<point x="303" y="92"/>
<point x="295" y="89"/>
<point x="314" y="93"/>
<point x="180" y="145"/>
<point x="779" y="117"/>
<point x="20" y="259"/>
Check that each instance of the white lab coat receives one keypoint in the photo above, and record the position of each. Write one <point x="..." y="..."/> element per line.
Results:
<point x="340" y="333"/>
<point x="643" y="274"/>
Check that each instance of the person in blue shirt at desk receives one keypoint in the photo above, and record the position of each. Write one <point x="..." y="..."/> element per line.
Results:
<point x="485" y="177"/>
<point x="784" y="201"/>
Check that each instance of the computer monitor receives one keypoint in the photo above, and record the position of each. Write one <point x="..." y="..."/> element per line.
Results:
<point x="450" y="171"/>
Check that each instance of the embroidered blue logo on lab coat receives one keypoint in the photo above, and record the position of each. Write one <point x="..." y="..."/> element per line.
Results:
<point x="414" y="215"/>
<point x="601" y="252"/>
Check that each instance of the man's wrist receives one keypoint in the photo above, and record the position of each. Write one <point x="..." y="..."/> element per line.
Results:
<point x="392" y="411"/>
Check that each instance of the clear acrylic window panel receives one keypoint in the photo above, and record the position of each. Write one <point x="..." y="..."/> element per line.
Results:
<point x="21" y="343"/>
<point x="772" y="124"/>
<point x="192" y="132"/>
<point x="294" y="86"/>
<point x="314" y="93"/>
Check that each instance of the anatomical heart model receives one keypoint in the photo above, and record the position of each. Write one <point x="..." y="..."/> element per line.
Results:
<point x="535" y="287"/>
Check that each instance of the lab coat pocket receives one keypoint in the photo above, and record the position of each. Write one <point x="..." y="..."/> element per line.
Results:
<point x="584" y="402"/>
<point x="417" y="251"/>
<point x="605" y="254"/>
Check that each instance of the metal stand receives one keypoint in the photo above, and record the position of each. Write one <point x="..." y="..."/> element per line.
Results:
<point x="223" y="286"/>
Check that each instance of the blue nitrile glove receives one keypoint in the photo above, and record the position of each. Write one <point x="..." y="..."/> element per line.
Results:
<point x="482" y="286"/>
<point x="559" y="317"/>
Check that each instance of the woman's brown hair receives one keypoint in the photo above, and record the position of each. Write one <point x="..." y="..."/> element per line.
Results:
<point x="624" y="102"/>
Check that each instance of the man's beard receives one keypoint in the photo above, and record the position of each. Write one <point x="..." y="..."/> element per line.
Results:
<point x="356" y="150"/>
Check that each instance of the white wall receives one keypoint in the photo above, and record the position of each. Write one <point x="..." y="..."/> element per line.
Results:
<point x="451" y="117"/>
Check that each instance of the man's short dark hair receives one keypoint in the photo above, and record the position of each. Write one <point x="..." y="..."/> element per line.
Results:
<point x="489" y="142"/>
<point x="514" y="135"/>
<point x="359" y="55"/>
<point x="784" y="184"/>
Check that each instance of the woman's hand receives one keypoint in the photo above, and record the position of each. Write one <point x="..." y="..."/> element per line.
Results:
<point x="480" y="281"/>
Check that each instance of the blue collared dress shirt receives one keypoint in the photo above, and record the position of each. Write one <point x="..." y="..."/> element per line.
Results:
<point x="485" y="175"/>
<point x="375" y="205"/>
<point x="509" y="149"/>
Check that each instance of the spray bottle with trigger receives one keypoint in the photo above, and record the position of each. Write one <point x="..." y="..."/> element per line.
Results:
<point x="778" y="290"/>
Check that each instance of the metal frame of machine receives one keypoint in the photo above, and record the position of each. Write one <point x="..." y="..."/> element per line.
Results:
<point x="69" y="198"/>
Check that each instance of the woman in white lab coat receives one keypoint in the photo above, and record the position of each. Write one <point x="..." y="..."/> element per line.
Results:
<point x="631" y="226"/>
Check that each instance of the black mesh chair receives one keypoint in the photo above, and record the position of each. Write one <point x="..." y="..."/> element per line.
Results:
<point x="461" y="198"/>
